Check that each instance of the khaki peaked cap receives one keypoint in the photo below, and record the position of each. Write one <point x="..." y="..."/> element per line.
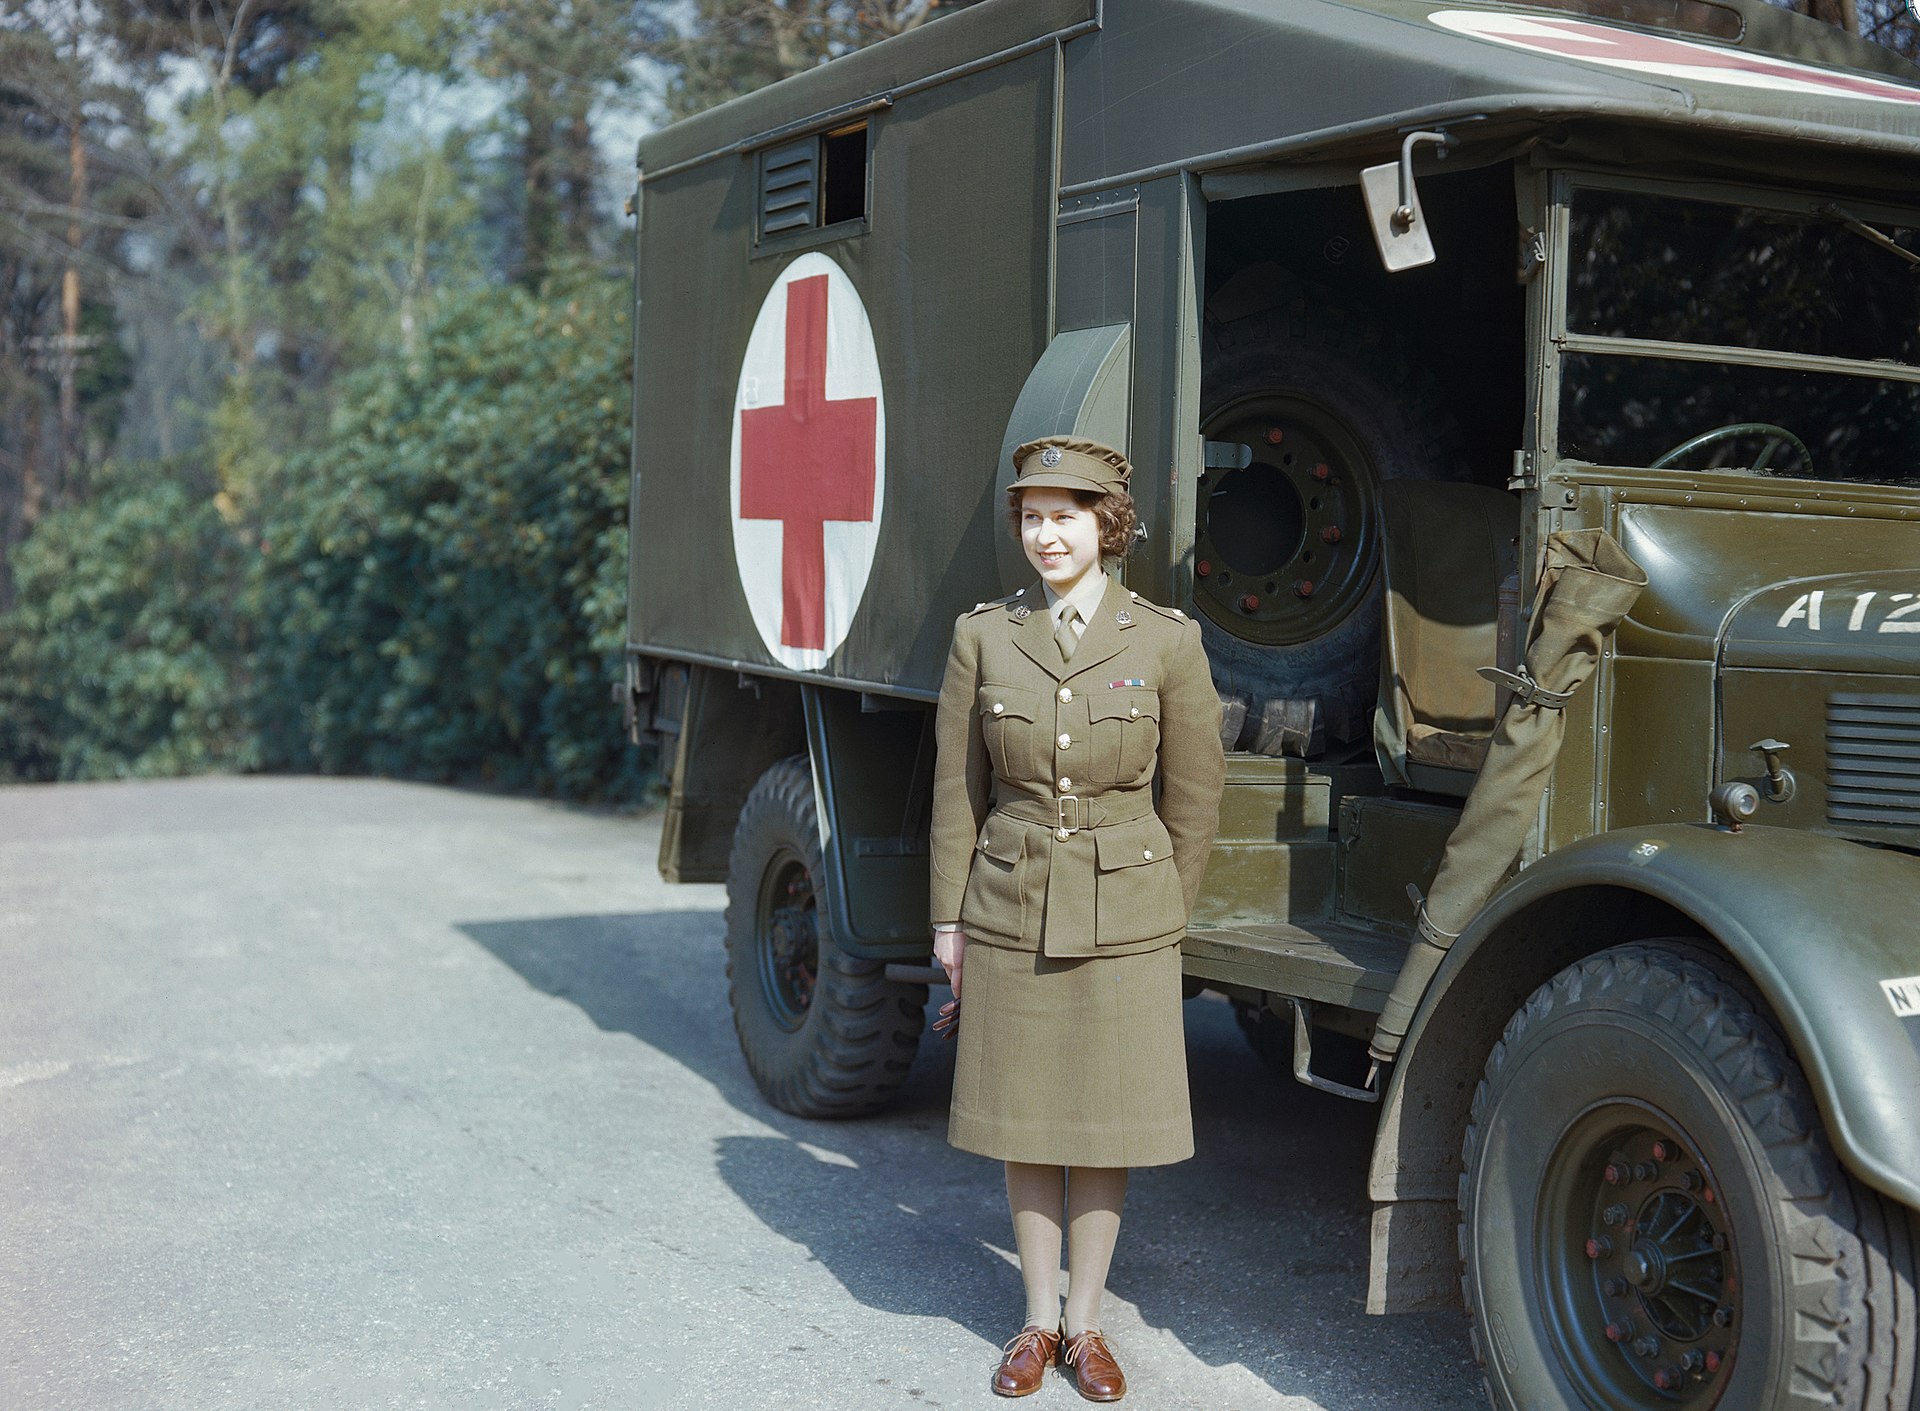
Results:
<point x="1070" y="463"/>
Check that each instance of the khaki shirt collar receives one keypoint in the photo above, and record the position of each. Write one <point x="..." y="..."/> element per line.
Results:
<point x="1086" y="597"/>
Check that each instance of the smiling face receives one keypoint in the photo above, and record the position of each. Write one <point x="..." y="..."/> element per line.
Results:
<point x="1061" y="536"/>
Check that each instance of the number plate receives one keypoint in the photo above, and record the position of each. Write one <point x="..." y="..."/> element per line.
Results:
<point x="1904" y="996"/>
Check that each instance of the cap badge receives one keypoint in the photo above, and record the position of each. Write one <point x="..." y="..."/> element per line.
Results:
<point x="1050" y="457"/>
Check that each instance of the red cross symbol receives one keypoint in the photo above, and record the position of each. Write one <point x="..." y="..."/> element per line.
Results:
<point x="1579" y="39"/>
<point x="807" y="462"/>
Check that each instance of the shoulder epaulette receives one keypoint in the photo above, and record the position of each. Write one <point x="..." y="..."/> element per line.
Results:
<point x="1171" y="614"/>
<point x="1008" y="601"/>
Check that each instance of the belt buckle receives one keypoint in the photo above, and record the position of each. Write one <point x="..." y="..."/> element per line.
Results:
<point x="1065" y="829"/>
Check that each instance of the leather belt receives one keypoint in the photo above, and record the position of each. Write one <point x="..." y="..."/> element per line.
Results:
<point x="1069" y="813"/>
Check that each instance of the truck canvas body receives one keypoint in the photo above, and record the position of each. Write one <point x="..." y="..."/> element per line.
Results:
<point x="1394" y="308"/>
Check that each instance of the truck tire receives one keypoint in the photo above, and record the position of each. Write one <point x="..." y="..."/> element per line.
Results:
<point x="824" y="1033"/>
<point x="1287" y="549"/>
<point x="1651" y="1215"/>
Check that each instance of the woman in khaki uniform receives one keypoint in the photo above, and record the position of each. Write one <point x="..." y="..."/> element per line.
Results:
<point x="1061" y="892"/>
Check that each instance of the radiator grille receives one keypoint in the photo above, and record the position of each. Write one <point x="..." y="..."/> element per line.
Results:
<point x="1873" y="759"/>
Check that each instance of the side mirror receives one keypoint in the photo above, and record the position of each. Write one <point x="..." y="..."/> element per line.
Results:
<point x="1393" y="206"/>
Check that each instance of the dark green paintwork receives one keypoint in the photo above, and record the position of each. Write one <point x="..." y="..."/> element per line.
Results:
<point x="1818" y="965"/>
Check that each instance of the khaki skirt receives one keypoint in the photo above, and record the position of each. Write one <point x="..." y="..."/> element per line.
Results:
<point x="1079" y="1062"/>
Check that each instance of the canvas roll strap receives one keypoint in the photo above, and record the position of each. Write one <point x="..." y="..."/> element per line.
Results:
<point x="1072" y="859"/>
<point x="1526" y="690"/>
<point x="1587" y="584"/>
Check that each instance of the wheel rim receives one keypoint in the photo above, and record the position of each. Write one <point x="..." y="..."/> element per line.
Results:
<point x="1285" y="547"/>
<point x="1637" y="1262"/>
<point x="786" y="927"/>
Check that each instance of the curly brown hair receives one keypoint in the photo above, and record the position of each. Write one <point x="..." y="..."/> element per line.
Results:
<point x="1114" y="512"/>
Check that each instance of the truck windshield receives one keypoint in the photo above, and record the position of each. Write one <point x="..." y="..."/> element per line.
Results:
<point x="1676" y="306"/>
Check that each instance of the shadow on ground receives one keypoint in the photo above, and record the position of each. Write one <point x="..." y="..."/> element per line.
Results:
<point x="1253" y="1253"/>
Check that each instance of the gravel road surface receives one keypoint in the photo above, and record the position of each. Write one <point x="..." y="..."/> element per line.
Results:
<point x="349" y="1094"/>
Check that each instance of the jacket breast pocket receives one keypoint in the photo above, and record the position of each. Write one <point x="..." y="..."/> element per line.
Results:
<point x="1124" y="730"/>
<point x="1137" y="894"/>
<point x="995" y="900"/>
<point x="1007" y="720"/>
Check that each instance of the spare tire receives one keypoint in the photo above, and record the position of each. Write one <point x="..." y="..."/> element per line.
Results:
<point x="1287" y="547"/>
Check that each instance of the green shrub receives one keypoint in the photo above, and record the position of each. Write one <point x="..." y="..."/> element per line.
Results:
<point x="443" y="583"/>
<point x="122" y="656"/>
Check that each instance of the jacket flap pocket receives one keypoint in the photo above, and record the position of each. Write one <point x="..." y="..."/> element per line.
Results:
<point x="1002" y="841"/>
<point x="998" y="702"/>
<point x="1127" y="703"/>
<point x="1132" y="844"/>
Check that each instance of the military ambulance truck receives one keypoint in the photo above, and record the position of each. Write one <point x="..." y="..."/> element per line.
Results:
<point x="1578" y="341"/>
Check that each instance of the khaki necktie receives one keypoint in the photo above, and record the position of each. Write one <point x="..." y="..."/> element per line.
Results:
<point x="1063" y="634"/>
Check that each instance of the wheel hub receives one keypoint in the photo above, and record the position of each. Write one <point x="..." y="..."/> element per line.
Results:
<point x="1286" y="545"/>
<point x="788" y="929"/>
<point x="1652" y="1319"/>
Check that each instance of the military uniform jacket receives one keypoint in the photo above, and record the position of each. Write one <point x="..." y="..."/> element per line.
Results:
<point x="1045" y="833"/>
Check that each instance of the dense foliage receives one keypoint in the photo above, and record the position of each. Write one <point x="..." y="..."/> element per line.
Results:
<point x="125" y="654"/>
<point x="441" y="586"/>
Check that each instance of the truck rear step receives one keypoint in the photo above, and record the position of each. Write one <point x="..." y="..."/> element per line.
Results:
<point x="1329" y="964"/>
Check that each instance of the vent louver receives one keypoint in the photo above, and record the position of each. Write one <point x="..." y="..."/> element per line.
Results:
<point x="1873" y="760"/>
<point x="788" y="179"/>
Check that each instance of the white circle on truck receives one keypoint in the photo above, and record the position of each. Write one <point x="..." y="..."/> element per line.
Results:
<point x="1566" y="37"/>
<point x="808" y="472"/>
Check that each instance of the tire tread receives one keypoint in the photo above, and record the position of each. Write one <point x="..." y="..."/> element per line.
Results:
<point x="1852" y="1251"/>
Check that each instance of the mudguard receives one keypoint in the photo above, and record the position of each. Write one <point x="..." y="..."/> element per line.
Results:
<point x="1827" y="930"/>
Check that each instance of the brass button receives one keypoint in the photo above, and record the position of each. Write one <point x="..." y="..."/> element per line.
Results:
<point x="1066" y="695"/>
<point x="1065" y="783"/>
<point x="999" y="709"/>
<point x="1066" y="740"/>
<point x="1063" y="835"/>
<point x="1131" y="710"/>
<point x="1147" y="853"/>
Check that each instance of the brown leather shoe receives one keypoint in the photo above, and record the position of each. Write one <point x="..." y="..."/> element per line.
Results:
<point x="1028" y="1353"/>
<point x="1096" y="1376"/>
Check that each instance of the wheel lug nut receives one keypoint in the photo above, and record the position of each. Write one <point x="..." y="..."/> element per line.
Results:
<point x="1304" y="588"/>
<point x="1693" y="1361"/>
<point x="1321" y="473"/>
<point x="1712" y="1360"/>
<point x="1648" y="1346"/>
<point x="1690" y="1181"/>
<point x="1664" y="1151"/>
<point x="1723" y="1316"/>
<point x="1615" y="1174"/>
<point x="1615" y="1214"/>
<point x="1619" y="1332"/>
<point x="1204" y="568"/>
<point x="1707" y="1195"/>
<point x="1719" y="1241"/>
<point x="1250" y="603"/>
<point x="1275" y="435"/>
<point x="1666" y="1379"/>
<point x="1646" y="1171"/>
<point x="1614" y="1288"/>
<point x="1599" y="1247"/>
<point x="1330" y="535"/>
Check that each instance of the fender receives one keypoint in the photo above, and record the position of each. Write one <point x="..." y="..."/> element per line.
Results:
<point x="1815" y="922"/>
